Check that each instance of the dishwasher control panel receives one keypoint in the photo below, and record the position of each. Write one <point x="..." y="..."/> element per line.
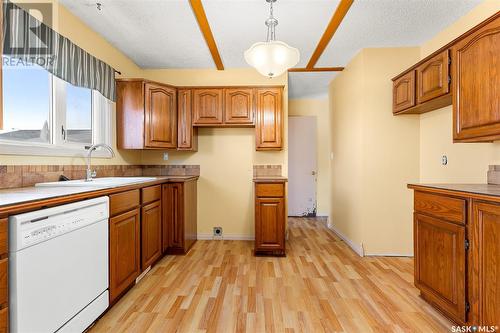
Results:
<point x="36" y="227"/>
<point x="49" y="231"/>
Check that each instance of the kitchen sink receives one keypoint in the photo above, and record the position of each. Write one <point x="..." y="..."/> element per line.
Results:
<point x="98" y="182"/>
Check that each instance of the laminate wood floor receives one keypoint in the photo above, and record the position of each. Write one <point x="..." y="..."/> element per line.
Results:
<point x="320" y="286"/>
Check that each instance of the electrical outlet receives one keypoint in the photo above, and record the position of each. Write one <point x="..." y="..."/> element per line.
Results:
<point x="217" y="232"/>
<point x="165" y="156"/>
<point x="444" y="160"/>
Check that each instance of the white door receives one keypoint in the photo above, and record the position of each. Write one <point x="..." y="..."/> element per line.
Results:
<point x="302" y="166"/>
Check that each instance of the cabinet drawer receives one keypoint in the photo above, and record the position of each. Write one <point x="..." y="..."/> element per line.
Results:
<point x="270" y="190"/>
<point x="4" y="236"/>
<point x="4" y="282"/>
<point x="122" y="202"/>
<point x="150" y="194"/>
<point x="447" y="208"/>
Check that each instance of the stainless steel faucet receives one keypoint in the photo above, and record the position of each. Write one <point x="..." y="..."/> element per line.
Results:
<point x="90" y="174"/>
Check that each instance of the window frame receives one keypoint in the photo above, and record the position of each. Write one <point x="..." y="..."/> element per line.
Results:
<point x="58" y="146"/>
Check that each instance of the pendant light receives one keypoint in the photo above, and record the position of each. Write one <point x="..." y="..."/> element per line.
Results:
<point x="272" y="57"/>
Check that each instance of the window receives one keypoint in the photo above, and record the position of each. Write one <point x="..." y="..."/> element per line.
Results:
<point x="78" y="114"/>
<point x="26" y="104"/>
<point x="44" y="115"/>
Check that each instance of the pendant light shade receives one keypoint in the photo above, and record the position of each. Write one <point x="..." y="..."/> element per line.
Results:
<point x="272" y="58"/>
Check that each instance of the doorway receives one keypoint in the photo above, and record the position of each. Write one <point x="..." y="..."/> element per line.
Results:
<point x="302" y="166"/>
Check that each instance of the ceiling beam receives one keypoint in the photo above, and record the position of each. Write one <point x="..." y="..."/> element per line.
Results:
<point x="317" y="69"/>
<point x="335" y="21"/>
<point x="201" y="17"/>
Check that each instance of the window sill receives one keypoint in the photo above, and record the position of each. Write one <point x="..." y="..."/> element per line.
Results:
<point x="7" y="148"/>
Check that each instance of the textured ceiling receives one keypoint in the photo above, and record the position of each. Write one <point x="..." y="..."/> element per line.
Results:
<point x="164" y="33"/>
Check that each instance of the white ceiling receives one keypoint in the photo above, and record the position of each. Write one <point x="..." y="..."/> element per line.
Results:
<point x="164" y="33"/>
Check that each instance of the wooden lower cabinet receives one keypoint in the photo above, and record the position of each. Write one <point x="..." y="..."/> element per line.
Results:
<point x="151" y="239"/>
<point x="179" y="217"/>
<point x="124" y="252"/>
<point x="270" y="218"/>
<point x="457" y="254"/>
<point x="486" y="262"/>
<point x="440" y="264"/>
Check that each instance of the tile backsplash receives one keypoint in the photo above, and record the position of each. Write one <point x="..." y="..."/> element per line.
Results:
<point x="267" y="170"/>
<point x="12" y="176"/>
<point x="494" y="175"/>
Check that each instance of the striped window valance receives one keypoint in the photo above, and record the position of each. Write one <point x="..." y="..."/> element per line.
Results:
<point x="28" y="40"/>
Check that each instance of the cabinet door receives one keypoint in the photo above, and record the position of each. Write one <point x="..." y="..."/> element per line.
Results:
<point x="432" y="77"/>
<point x="269" y="119"/>
<point x="160" y="119"/>
<point x="239" y="106"/>
<point x="151" y="234"/>
<point x="124" y="252"/>
<point x="187" y="135"/>
<point x="173" y="223"/>
<point x="476" y="82"/>
<point x="207" y="106"/>
<point x="269" y="224"/>
<point x="440" y="264"/>
<point x="486" y="261"/>
<point x="403" y="92"/>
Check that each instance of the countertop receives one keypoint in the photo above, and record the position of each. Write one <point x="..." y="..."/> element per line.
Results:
<point x="269" y="179"/>
<point x="9" y="198"/>
<point x="474" y="189"/>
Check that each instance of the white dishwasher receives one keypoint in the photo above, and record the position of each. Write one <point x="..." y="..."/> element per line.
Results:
<point x="58" y="267"/>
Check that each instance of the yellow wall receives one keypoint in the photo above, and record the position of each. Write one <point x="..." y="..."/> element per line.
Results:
<point x="467" y="162"/>
<point x="319" y="108"/>
<point x="70" y="26"/>
<point x="226" y="155"/>
<point x="374" y="154"/>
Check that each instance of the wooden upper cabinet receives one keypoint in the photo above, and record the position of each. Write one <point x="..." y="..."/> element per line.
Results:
<point x="486" y="254"/>
<point x="187" y="135"/>
<point x="146" y="115"/>
<point x="476" y="92"/>
<point x="207" y="106"/>
<point x="160" y="116"/>
<point x="440" y="264"/>
<point x="403" y="92"/>
<point x="239" y="106"/>
<point x="433" y="77"/>
<point x="269" y="119"/>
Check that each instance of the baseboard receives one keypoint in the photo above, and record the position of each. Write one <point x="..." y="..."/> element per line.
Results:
<point x="358" y="248"/>
<point x="210" y="236"/>
<point x="389" y="255"/>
